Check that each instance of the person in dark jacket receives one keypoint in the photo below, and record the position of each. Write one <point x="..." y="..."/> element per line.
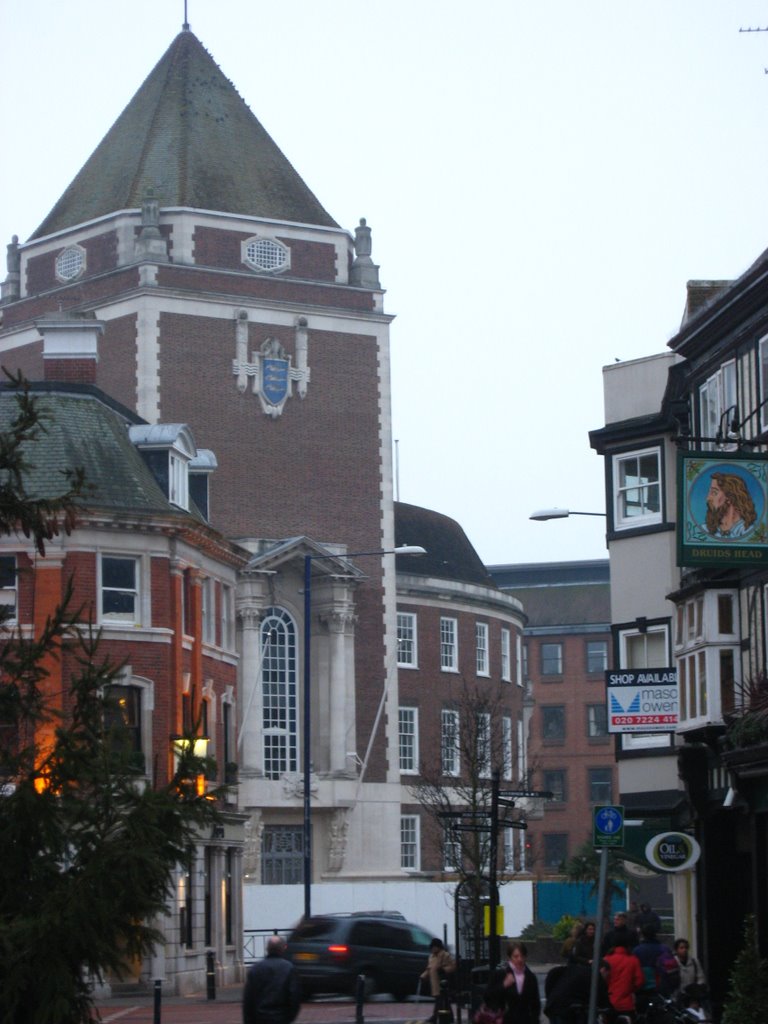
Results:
<point x="567" y="990"/>
<point x="272" y="993"/>
<point x="620" y="935"/>
<point x="517" y="989"/>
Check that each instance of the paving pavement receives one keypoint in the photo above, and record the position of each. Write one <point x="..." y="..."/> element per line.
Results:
<point x="139" y="1008"/>
<point x="225" y="1009"/>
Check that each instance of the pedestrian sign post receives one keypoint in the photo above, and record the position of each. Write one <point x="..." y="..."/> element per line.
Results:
<point x="608" y="827"/>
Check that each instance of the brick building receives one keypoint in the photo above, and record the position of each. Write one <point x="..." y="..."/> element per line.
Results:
<point x="567" y="648"/>
<point x="459" y="657"/>
<point x="229" y="300"/>
<point x="159" y="583"/>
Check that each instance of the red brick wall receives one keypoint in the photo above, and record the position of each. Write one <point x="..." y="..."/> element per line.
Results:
<point x="431" y="690"/>
<point x="260" y="286"/>
<point x="215" y="247"/>
<point x="574" y="690"/>
<point x="65" y="297"/>
<point x="100" y="256"/>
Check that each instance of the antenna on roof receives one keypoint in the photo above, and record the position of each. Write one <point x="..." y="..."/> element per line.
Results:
<point x="765" y="70"/>
<point x="185" y="26"/>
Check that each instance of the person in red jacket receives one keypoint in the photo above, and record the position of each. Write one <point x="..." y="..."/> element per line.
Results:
<point x="624" y="979"/>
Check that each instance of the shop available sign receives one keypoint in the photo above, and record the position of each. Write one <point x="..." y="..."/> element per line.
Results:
<point x="642" y="700"/>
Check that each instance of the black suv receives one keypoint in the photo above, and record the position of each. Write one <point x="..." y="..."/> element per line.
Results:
<point x="331" y="950"/>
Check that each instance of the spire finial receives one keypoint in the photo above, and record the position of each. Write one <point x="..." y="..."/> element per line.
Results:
<point x="185" y="26"/>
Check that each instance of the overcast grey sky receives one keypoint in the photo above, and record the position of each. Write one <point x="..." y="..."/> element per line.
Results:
<point x="541" y="177"/>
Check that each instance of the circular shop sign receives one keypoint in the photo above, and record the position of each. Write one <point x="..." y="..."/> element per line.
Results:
<point x="672" y="851"/>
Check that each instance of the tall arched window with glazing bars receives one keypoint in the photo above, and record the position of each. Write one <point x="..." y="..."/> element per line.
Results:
<point x="278" y="675"/>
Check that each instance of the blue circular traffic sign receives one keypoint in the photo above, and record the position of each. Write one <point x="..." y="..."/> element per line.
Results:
<point x="608" y="820"/>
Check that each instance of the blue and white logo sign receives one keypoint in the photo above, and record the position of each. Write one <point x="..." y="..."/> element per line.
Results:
<point x="608" y="826"/>
<point x="274" y="379"/>
<point x="642" y="700"/>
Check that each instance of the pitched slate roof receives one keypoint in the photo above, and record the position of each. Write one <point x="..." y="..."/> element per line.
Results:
<point x="188" y="135"/>
<point x="450" y="556"/>
<point x="82" y="431"/>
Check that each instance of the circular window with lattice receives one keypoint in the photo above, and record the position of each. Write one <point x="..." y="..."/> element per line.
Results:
<point x="265" y="254"/>
<point x="70" y="263"/>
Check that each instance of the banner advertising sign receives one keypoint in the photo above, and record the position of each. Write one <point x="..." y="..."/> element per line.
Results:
<point x="642" y="700"/>
<point x="722" y="508"/>
<point x="672" y="851"/>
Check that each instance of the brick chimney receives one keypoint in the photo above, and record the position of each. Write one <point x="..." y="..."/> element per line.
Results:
<point x="70" y="346"/>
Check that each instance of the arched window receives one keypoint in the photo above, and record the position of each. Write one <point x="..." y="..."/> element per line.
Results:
<point x="278" y="676"/>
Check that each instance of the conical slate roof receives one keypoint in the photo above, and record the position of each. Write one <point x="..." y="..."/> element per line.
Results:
<point x="189" y="136"/>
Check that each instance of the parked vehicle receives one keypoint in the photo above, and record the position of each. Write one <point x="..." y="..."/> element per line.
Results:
<point x="331" y="950"/>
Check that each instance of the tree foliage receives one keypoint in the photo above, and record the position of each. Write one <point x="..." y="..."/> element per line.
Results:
<point x="747" y="998"/>
<point x="584" y="866"/>
<point x="88" y="848"/>
<point x="479" y="750"/>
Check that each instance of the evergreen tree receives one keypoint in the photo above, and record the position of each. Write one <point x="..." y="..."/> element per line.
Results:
<point x="747" y="1000"/>
<point x="88" y="850"/>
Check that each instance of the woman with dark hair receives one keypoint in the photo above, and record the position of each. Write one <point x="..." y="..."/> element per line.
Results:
<point x="583" y="951"/>
<point x="519" y="989"/>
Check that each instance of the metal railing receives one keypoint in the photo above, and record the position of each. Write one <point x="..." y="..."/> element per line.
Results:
<point x="255" y="943"/>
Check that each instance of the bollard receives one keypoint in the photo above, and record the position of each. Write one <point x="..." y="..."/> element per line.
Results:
<point x="359" y="999"/>
<point x="210" y="975"/>
<point x="445" y="1013"/>
<point x="158" y="996"/>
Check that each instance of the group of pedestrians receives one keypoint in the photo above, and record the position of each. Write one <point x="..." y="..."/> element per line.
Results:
<point x="633" y="969"/>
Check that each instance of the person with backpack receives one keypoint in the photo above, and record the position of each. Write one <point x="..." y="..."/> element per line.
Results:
<point x="656" y="960"/>
<point x="692" y="979"/>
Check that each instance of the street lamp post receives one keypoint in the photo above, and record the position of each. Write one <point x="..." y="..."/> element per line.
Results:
<point x="543" y="514"/>
<point x="407" y="549"/>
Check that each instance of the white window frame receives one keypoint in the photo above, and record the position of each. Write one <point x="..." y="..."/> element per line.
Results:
<point x="226" y="618"/>
<point x="590" y="783"/>
<point x="410" y="842"/>
<point x="407" y="640"/>
<point x="408" y="740"/>
<point x="449" y="644"/>
<point x="208" y="603"/>
<point x="506" y="654"/>
<point x="452" y="852"/>
<point x="267" y="255"/>
<point x="507" y="751"/>
<point x="716" y="395"/>
<point x="116" y="618"/>
<point x="279" y="682"/>
<point x="450" y="755"/>
<point x="482" y="654"/>
<point x="178" y="480"/>
<point x="484" y="739"/>
<point x="9" y="594"/>
<point x="559" y="660"/>
<point x="558" y="797"/>
<point x="70" y="263"/>
<point x="508" y="849"/>
<point x="604" y="656"/>
<point x="648" y="516"/>
<point x="592" y="723"/>
<point x="699" y="646"/>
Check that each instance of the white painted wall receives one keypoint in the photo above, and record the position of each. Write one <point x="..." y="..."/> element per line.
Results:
<point x="429" y="904"/>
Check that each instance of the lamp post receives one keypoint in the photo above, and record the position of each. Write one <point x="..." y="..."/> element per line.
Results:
<point x="406" y="549"/>
<point x="543" y="514"/>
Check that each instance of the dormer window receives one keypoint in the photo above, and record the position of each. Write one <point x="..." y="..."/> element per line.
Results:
<point x="70" y="263"/>
<point x="265" y="254"/>
<point x="167" y="449"/>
